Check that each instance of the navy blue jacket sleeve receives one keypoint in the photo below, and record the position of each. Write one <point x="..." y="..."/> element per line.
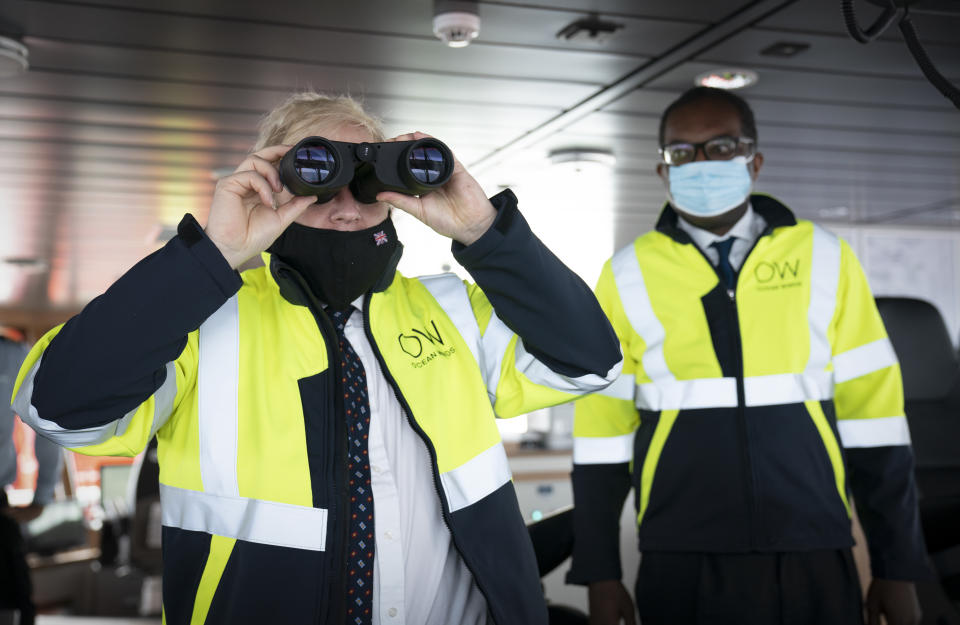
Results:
<point x="599" y="491"/>
<point x="111" y="357"/>
<point x="885" y="494"/>
<point x="538" y="297"/>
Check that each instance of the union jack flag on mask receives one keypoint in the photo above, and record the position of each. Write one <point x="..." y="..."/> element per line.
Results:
<point x="380" y="238"/>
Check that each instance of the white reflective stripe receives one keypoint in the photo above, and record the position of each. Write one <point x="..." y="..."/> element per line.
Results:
<point x="787" y="388"/>
<point x="253" y="520"/>
<point x="688" y="394"/>
<point x="824" y="279"/>
<point x="622" y="388"/>
<point x="541" y="374"/>
<point x="603" y="450"/>
<point x="217" y="384"/>
<point x="85" y="437"/>
<point x="863" y="360"/>
<point x="476" y="478"/>
<point x="496" y="339"/>
<point x="164" y="398"/>
<point x="879" y="432"/>
<point x="639" y="310"/>
<point x="451" y="293"/>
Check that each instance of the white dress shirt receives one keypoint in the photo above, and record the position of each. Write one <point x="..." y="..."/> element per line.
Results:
<point x="745" y="233"/>
<point x="420" y="578"/>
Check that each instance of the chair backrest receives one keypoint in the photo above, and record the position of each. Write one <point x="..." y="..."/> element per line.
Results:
<point x="919" y="335"/>
<point x="931" y="381"/>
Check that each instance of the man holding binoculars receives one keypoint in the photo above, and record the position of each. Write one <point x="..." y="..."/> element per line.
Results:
<point x="325" y="425"/>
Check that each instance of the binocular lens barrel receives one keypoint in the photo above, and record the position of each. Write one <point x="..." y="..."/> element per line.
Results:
<point x="427" y="164"/>
<point x="321" y="167"/>
<point x="314" y="163"/>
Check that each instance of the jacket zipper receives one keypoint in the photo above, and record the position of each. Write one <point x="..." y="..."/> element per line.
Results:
<point x="750" y="476"/>
<point x="423" y="436"/>
<point x="339" y="499"/>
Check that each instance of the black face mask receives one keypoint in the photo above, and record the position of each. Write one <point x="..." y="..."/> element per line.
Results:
<point x="338" y="266"/>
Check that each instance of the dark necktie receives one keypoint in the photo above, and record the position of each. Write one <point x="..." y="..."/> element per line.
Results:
<point x="726" y="269"/>
<point x="361" y="542"/>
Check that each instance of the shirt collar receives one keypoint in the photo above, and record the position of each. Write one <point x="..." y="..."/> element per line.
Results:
<point x="748" y="228"/>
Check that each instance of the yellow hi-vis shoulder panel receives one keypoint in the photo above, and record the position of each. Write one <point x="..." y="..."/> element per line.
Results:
<point x="434" y="362"/>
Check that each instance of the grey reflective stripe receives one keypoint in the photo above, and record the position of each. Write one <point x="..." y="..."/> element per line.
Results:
<point x="490" y="349"/>
<point x="164" y="399"/>
<point x="824" y="279"/>
<point x="85" y="437"/>
<point x="762" y="390"/>
<point x="496" y="339"/>
<point x="787" y="388"/>
<point x="639" y="311"/>
<point x="253" y="520"/>
<point x="862" y="360"/>
<point x="217" y="387"/>
<point x="877" y="432"/>
<point x="624" y="387"/>
<point x="476" y="478"/>
<point x="688" y="394"/>
<point x="603" y="449"/>
<point x="451" y="293"/>
<point x="541" y="374"/>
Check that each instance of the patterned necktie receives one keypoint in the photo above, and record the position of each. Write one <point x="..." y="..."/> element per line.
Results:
<point x="726" y="269"/>
<point x="361" y="542"/>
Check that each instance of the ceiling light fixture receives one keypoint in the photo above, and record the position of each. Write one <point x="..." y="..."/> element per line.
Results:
<point x="580" y="159"/>
<point x="785" y="49"/>
<point x="14" y="57"/>
<point x="590" y="28"/>
<point x="729" y="78"/>
<point x="456" y="22"/>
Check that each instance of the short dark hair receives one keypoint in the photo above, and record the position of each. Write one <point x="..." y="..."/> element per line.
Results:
<point x="748" y="125"/>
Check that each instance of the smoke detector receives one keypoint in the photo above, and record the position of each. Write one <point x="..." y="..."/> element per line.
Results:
<point x="456" y="22"/>
<point x="13" y="57"/>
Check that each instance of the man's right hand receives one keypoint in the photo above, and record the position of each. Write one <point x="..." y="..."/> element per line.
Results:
<point x="244" y="216"/>
<point x="610" y="603"/>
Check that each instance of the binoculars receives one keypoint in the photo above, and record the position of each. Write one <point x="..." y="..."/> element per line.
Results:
<point x="321" y="167"/>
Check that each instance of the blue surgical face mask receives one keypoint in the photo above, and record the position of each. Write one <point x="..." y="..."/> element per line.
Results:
<point x="709" y="188"/>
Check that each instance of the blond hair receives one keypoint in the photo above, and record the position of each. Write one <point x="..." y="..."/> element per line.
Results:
<point x="292" y="118"/>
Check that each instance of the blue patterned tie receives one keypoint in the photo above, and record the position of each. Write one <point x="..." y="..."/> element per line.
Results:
<point x="726" y="269"/>
<point x="361" y="542"/>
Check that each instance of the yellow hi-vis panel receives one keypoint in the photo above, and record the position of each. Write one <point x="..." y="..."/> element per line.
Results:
<point x="220" y="550"/>
<point x="687" y="346"/>
<point x="649" y="468"/>
<point x="773" y="297"/>
<point x="283" y="343"/>
<point x="414" y="332"/>
<point x="832" y="446"/>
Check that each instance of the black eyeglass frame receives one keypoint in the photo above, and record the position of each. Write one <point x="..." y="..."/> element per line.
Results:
<point x="702" y="147"/>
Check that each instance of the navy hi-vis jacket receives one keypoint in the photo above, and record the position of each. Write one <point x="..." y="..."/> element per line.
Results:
<point x="744" y="416"/>
<point x="237" y="378"/>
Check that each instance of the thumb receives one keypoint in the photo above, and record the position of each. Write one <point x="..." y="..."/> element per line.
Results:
<point x="289" y="211"/>
<point x="407" y="203"/>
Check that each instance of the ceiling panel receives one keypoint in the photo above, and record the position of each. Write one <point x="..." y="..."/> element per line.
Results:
<point x="131" y="107"/>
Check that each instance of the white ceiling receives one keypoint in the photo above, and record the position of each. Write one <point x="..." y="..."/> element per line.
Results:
<point x="129" y="106"/>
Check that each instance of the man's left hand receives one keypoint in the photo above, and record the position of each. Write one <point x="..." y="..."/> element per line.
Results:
<point x="459" y="209"/>
<point x="895" y="600"/>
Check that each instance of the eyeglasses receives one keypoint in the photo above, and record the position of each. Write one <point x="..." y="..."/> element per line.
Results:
<point x="721" y="148"/>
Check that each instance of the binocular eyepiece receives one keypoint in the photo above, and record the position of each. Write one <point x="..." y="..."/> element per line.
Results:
<point x="321" y="167"/>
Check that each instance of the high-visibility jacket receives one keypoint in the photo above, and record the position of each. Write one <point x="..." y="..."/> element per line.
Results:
<point x="251" y="435"/>
<point x="742" y="415"/>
